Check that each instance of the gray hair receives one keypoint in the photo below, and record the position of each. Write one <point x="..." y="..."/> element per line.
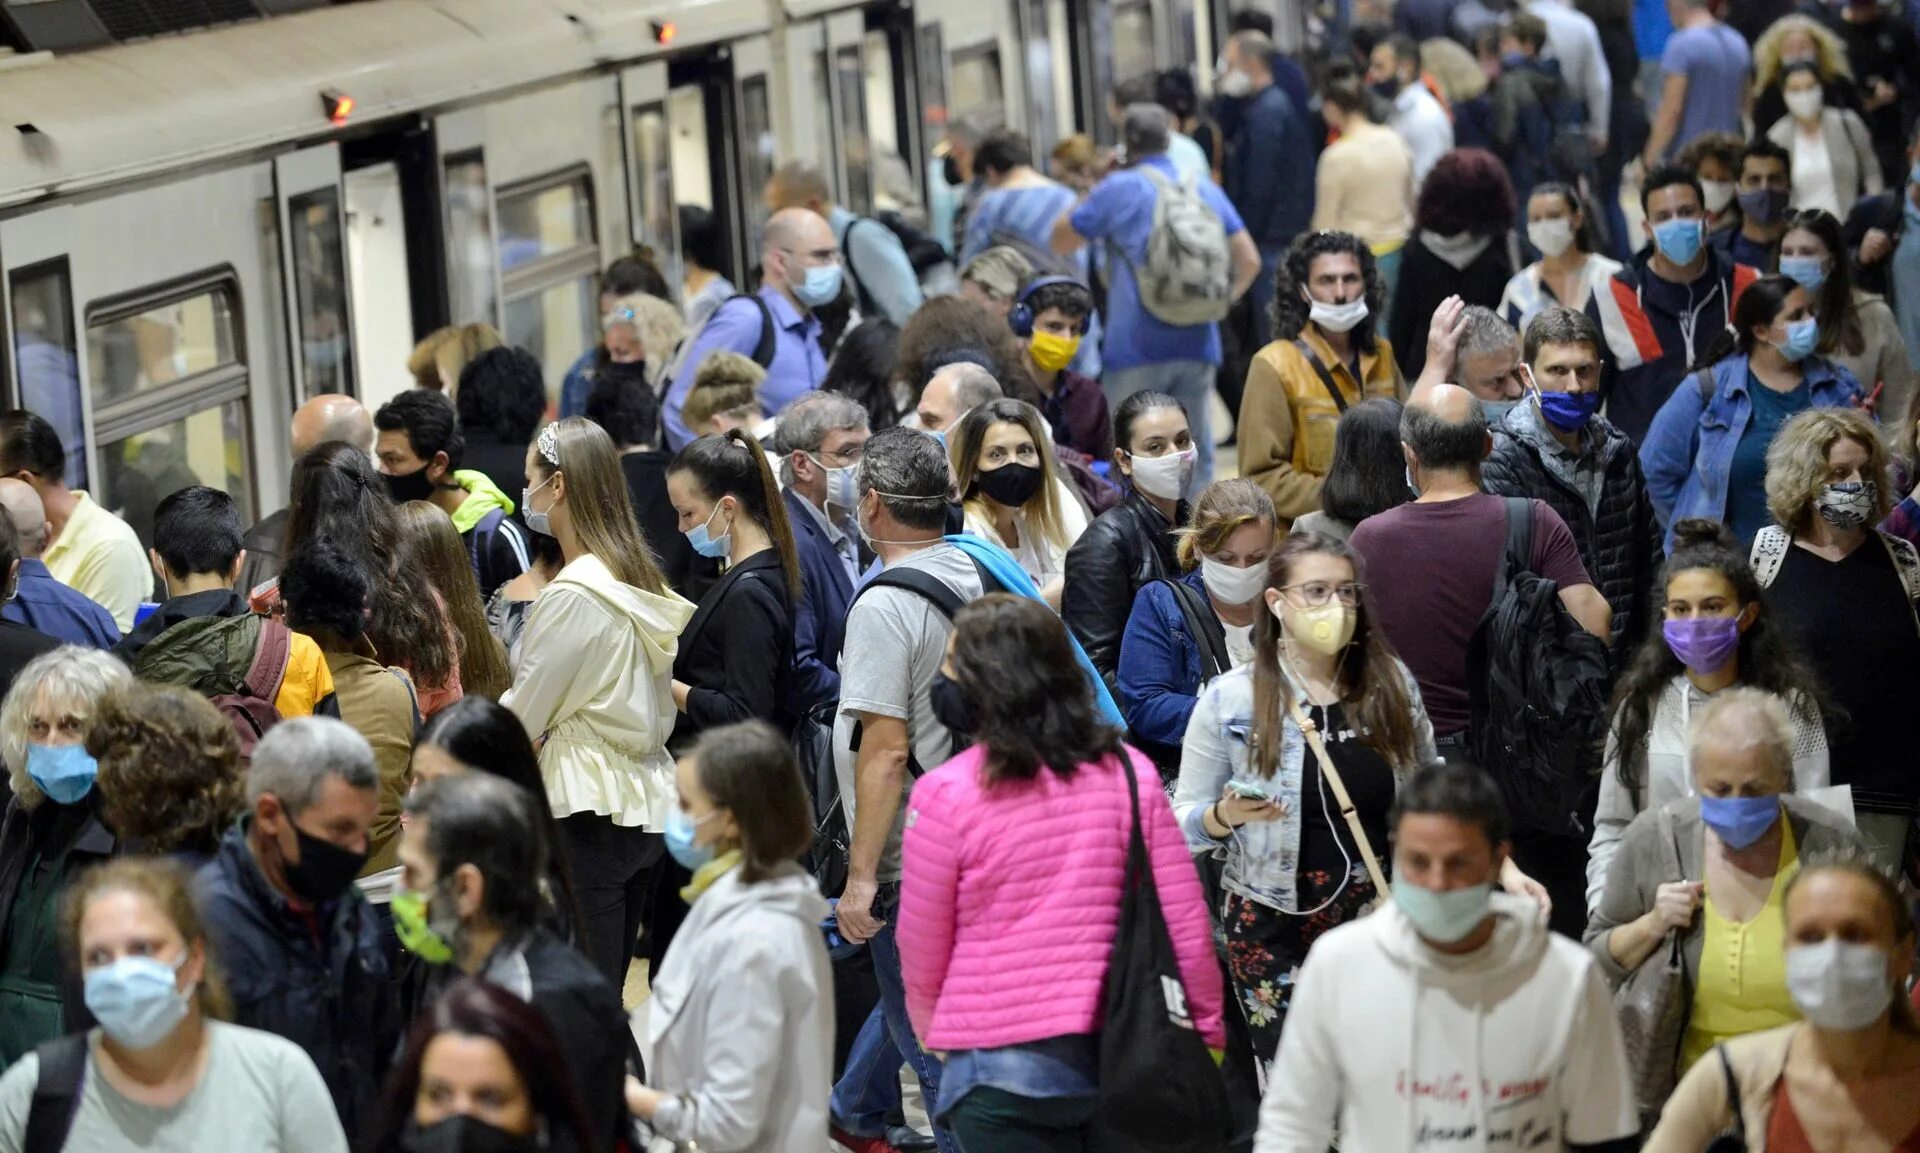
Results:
<point x="908" y="471"/>
<point x="492" y="824"/>
<point x="1000" y="270"/>
<point x="69" y="676"/>
<point x="973" y="385"/>
<point x="1743" y="717"/>
<point x="1256" y="47"/>
<point x="1486" y="332"/>
<point x="297" y="755"/>
<point x="805" y="423"/>
<point x="1146" y="129"/>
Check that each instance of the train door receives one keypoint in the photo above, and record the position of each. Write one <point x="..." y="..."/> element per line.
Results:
<point x="466" y="191"/>
<point x="846" y="81"/>
<point x="894" y="120"/>
<point x="311" y="204"/>
<point x="47" y="358"/>
<point x="705" y="170"/>
<point x="651" y="204"/>
<point x="757" y="147"/>
<point x="396" y="266"/>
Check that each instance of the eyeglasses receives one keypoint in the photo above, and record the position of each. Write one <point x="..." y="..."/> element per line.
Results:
<point x="818" y="256"/>
<point x="852" y="454"/>
<point x="1314" y="594"/>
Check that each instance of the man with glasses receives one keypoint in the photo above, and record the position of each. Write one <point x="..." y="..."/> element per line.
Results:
<point x="819" y="441"/>
<point x="884" y="281"/>
<point x="776" y="326"/>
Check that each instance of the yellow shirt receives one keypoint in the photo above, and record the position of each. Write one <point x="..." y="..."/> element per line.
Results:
<point x="97" y="554"/>
<point x="1742" y="986"/>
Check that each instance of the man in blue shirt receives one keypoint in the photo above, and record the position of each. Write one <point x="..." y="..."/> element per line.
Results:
<point x="1142" y="352"/>
<point x="1269" y="166"/>
<point x="800" y="272"/>
<point x="40" y="601"/>
<point x="884" y="281"/>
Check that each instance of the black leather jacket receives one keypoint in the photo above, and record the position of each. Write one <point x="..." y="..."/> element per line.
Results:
<point x="1124" y="548"/>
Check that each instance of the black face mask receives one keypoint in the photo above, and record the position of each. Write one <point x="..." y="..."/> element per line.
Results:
<point x="324" y="869"/>
<point x="951" y="171"/>
<point x="634" y="373"/>
<point x="950" y="705"/>
<point x="1012" y="484"/>
<point x="406" y="486"/>
<point x="462" y="1133"/>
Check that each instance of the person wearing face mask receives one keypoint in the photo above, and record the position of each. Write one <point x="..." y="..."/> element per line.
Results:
<point x="1569" y="271"/>
<point x="640" y="334"/>
<point x="1330" y="355"/>
<point x="802" y="273"/>
<point x="1858" y="330"/>
<point x="1662" y="313"/>
<point x="52" y="832"/>
<point x="1555" y="447"/>
<point x="304" y="953"/>
<point x="628" y="280"/>
<point x="1379" y="1044"/>
<point x="1799" y="39"/>
<point x="819" y="441"/>
<point x="1845" y="591"/>
<point x="1393" y="73"/>
<point x="629" y="411"/>
<point x="1706" y="452"/>
<point x="1132" y="545"/>
<point x="164" y="1069"/>
<point x="1833" y="159"/>
<point x="1007" y="483"/>
<point x="420" y="448"/>
<point x="472" y="905"/>
<point x="1714" y="160"/>
<point x="1459" y="248"/>
<point x="741" y="1025"/>
<point x="1487" y="362"/>
<point x="1765" y="189"/>
<point x="1716" y="632"/>
<point x="593" y="683"/>
<point x="1840" y="1078"/>
<point x="1050" y="315"/>
<point x="1735" y="844"/>
<point x="874" y="258"/>
<point x="1267" y="167"/>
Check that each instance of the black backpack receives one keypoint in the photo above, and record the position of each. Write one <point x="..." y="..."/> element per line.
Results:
<point x="1536" y="691"/>
<point x="56" y="1095"/>
<point x="924" y="253"/>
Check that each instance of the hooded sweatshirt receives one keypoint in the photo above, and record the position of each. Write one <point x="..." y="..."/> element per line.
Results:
<point x="741" y="1021"/>
<point x="1406" y="1049"/>
<point x="496" y="544"/>
<point x="595" y="679"/>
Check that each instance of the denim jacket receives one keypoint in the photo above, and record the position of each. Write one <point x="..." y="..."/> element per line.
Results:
<point x="1263" y="857"/>
<point x="1688" y="454"/>
<point x="1159" y="664"/>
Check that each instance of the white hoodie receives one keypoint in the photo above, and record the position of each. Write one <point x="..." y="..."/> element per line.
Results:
<point x="1514" y="1046"/>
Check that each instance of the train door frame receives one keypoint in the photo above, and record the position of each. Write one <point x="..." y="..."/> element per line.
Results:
<point x="461" y="138"/>
<point x="644" y="90"/>
<point x="712" y="72"/>
<point x="752" y="70"/>
<point x="411" y="147"/>
<point x="896" y="21"/>
<point x="846" y="32"/>
<point x="297" y="176"/>
<point x="35" y="245"/>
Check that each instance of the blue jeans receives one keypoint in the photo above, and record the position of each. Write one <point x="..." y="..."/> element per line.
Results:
<point x="1188" y="381"/>
<point x="867" y="1097"/>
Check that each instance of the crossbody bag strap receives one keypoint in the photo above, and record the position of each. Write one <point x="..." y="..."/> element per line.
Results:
<point x="1213" y="648"/>
<point x="1321" y="370"/>
<point x="1347" y="812"/>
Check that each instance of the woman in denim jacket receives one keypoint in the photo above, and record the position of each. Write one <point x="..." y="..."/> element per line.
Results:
<point x="1706" y="453"/>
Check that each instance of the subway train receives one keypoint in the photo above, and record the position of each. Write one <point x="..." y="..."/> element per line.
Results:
<point x="201" y="229"/>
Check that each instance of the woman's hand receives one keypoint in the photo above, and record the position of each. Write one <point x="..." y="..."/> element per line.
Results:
<point x="1674" y="905"/>
<point x="1237" y="810"/>
<point x="1520" y="885"/>
<point x="642" y="1102"/>
<point x="680" y="691"/>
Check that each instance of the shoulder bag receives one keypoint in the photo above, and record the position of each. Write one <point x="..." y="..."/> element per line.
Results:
<point x="1339" y="787"/>
<point x="1654" y="1001"/>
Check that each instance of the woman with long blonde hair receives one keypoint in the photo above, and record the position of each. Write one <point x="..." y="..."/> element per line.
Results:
<point x="1004" y="468"/>
<point x="1792" y="40"/>
<point x="430" y="545"/>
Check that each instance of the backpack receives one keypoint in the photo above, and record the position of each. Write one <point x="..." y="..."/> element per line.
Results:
<point x="1187" y="277"/>
<point x="1537" y="692"/>
<point x="56" y="1095"/>
<point x="924" y="253"/>
<point x="239" y="663"/>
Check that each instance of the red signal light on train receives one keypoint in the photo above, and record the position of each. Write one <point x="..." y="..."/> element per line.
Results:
<point x="339" y="106"/>
<point x="664" y="32"/>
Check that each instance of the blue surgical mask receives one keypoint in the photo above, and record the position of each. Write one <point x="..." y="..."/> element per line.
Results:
<point x="707" y="544"/>
<point x="820" y="287"/>
<point x="1496" y="410"/>
<point x="1809" y="271"/>
<point x="64" y="772"/>
<point x="1803" y="336"/>
<point x="1739" y="821"/>
<point x="136" y="1000"/>
<point x="1568" y="411"/>
<point x="540" y="522"/>
<point x="680" y="831"/>
<point x="1678" y="240"/>
<point x="1442" y="917"/>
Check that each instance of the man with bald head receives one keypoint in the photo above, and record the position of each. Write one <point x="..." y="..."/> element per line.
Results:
<point x="39" y="600"/>
<point x="330" y="416"/>
<point x="953" y="391"/>
<point x="884" y="281"/>
<point x="776" y="326"/>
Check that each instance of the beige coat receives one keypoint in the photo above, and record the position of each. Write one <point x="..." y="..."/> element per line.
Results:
<point x="1856" y="172"/>
<point x="1698" y="1110"/>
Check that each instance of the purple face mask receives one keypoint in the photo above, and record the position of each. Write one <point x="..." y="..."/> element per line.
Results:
<point x="1703" y="644"/>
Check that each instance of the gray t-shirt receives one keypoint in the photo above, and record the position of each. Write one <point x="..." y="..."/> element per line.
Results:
<point x="896" y="640"/>
<point x="260" y="1093"/>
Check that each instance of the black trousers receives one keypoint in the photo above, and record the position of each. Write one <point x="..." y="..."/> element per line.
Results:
<point x="614" y="872"/>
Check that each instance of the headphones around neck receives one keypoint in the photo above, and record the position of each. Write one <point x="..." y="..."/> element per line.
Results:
<point x="1020" y="319"/>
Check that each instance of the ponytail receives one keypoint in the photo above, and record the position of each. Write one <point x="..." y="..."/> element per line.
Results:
<point x="734" y="465"/>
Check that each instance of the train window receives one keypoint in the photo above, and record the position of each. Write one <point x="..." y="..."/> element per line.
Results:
<point x="975" y="90"/>
<point x="169" y="383"/>
<point x="883" y="125"/>
<point x="932" y="66"/>
<point x="469" y="239"/>
<point x="1132" y="40"/>
<point x="850" y="80"/>
<point x="654" y="177"/>
<point x="48" y="353"/>
<point x="320" y="284"/>
<point x="550" y="267"/>
<point x="692" y="162"/>
<point x="757" y="147"/>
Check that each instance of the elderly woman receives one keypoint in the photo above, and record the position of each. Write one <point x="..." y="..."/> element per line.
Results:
<point x="1737" y="842"/>
<point x="1846" y="592"/>
<point x="51" y="833"/>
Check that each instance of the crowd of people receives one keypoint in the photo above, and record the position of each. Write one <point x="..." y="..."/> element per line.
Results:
<point x="866" y="670"/>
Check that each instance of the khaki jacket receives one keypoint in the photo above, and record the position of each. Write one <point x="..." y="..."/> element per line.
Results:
<point x="379" y="702"/>
<point x="1698" y="1110"/>
<point x="1287" y="417"/>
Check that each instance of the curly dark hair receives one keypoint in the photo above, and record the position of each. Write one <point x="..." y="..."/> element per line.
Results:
<point x="1032" y="705"/>
<point x="1290" y="307"/>
<point x="862" y="371"/>
<point x="170" y="777"/>
<point x="504" y="391"/>
<point x="946" y="323"/>
<point x="1467" y="191"/>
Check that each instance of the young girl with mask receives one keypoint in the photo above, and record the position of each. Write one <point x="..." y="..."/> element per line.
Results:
<point x="1568" y="269"/>
<point x="163" y="1071"/>
<point x="1716" y="632"/>
<point x="1005" y="470"/>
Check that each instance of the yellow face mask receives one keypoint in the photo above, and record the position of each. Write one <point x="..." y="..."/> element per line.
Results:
<point x="1052" y="353"/>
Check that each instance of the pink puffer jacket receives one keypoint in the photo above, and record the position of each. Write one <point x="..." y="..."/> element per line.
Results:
<point x="1011" y="894"/>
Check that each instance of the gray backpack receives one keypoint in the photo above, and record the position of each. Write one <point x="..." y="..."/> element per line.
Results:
<point x="1187" y="278"/>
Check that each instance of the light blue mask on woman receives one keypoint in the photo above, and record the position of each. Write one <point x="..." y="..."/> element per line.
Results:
<point x="1803" y="336"/>
<point x="705" y="543"/>
<point x="64" y="772"/>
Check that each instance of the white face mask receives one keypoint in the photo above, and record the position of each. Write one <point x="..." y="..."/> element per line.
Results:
<point x="840" y="483"/>
<point x="1806" y="103"/>
<point x="1233" y="586"/>
<point x="1338" y="317"/>
<point x="1164" y="476"/>
<point x="1553" y="236"/>
<point x="1236" y="83"/>
<point x="1837" y="984"/>
<point x="1718" y="193"/>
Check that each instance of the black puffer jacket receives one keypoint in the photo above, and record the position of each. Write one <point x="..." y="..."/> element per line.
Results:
<point x="1124" y="548"/>
<point x="1621" y="546"/>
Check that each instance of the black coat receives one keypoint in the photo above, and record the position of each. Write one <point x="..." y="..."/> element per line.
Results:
<point x="1620" y="547"/>
<point x="736" y="654"/>
<point x="1885" y="211"/>
<point x="1426" y="280"/>
<point x="18" y="645"/>
<point x="504" y="464"/>
<point x="1125" y="548"/>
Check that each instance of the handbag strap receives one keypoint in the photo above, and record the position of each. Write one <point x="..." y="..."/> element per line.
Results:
<point x="1332" y="776"/>
<point x="1320" y="370"/>
<point x="1739" y="1130"/>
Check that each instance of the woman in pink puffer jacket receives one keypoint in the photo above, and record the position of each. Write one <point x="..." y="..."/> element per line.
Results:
<point x="1015" y="854"/>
